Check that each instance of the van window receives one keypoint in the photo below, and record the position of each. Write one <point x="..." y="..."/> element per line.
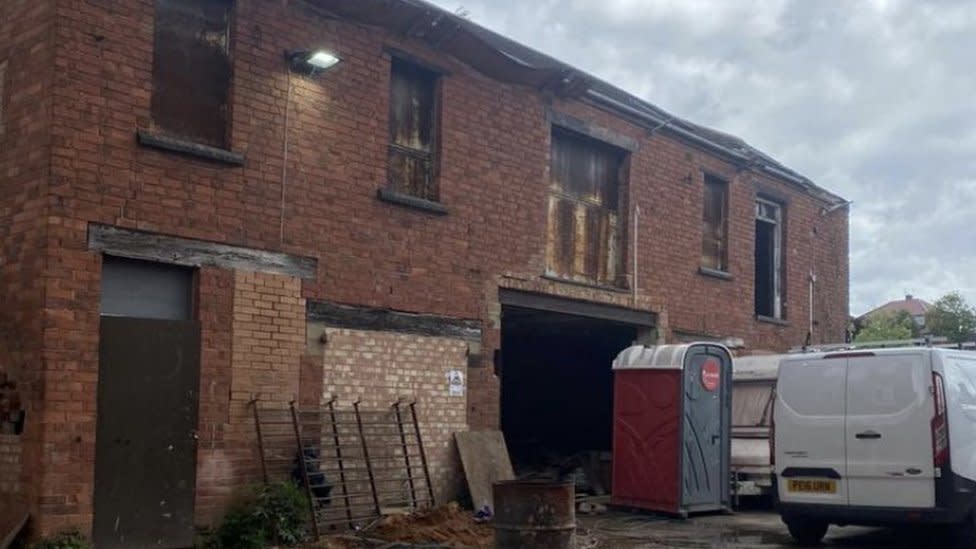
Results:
<point x="885" y="385"/>
<point x="961" y="382"/>
<point x="814" y="388"/>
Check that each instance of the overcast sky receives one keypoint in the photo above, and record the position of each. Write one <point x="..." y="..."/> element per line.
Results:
<point x="874" y="100"/>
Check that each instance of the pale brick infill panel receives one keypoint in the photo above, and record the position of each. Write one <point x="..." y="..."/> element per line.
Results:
<point x="379" y="368"/>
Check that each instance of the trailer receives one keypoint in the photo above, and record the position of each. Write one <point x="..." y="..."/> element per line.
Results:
<point x="753" y="392"/>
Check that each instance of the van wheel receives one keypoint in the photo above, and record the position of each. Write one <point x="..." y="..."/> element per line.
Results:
<point x="807" y="533"/>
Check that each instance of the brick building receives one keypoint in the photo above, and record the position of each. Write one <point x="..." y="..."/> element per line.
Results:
<point x="444" y="199"/>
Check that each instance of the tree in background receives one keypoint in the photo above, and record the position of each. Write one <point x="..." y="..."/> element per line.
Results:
<point x="951" y="317"/>
<point x="887" y="327"/>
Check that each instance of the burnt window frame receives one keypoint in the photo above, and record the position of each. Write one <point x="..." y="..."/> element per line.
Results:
<point x="778" y="294"/>
<point x="620" y="199"/>
<point x="709" y="182"/>
<point x="397" y="191"/>
<point x="174" y="128"/>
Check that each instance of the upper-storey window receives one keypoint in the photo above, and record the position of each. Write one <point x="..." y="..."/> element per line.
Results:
<point x="769" y="259"/>
<point x="192" y="69"/>
<point x="584" y="233"/>
<point x="413" y="131"/>
<point x="715" y="225"/>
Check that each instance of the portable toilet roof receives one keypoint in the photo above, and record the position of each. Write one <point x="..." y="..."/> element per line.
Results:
<point x="657" y="357"/>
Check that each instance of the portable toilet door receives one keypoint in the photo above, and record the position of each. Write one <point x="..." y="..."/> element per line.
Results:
<point x="672" y="428"/>
<point x="706" y="428"/>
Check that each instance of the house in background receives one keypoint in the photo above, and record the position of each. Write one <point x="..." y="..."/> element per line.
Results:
<point x="912" y="305"/>
<point x="444" y="201"/>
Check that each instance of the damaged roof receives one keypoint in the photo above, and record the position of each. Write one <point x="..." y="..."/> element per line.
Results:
<point x="506" y="60"/>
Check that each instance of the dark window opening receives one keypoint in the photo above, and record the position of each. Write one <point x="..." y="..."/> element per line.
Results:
<point x="413" y="130"/>
<point x="769" y="258"/>
<point x="715" y="225"/>
<point x="585" y="228"/>
<point x="192" y="69"/>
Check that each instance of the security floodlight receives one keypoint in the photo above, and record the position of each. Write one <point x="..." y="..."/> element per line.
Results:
<point x="312" y="61"/>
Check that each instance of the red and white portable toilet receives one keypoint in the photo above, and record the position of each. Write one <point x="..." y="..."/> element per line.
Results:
<point x="672" y="409"/>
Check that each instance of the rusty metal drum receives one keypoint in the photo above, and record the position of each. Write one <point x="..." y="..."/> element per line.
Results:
<point x="534" y="514"/>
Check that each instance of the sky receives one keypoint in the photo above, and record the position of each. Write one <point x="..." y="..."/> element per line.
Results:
<point x="874" y="100"/>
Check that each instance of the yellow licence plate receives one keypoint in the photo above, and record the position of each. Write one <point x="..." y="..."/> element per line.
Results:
<point x="810" y="486"/>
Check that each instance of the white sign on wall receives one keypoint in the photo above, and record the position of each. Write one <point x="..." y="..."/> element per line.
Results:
<point x="455" y="383"/>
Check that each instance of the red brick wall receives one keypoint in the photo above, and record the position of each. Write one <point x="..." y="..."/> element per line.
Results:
<point x="216" y="315"/>
<point x="264" y="342"/>
<point x="25" y="140"/>
<point x="493" y="166"/>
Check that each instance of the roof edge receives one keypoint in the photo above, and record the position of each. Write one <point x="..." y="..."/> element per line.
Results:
<point x="539" y="70"/>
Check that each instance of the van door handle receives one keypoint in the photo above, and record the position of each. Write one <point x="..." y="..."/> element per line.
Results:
<point x="868" y="435"/>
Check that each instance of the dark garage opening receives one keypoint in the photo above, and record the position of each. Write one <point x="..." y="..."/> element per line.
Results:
<point x="557" y="388"/>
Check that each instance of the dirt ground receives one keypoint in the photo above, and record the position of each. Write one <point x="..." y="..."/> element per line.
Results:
<point x="450" y="527"/>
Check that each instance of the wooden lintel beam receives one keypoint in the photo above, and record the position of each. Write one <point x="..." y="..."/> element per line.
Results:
<point x="195" y="253"/>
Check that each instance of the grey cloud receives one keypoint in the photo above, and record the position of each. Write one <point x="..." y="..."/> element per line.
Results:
<point x="872" y="99"/>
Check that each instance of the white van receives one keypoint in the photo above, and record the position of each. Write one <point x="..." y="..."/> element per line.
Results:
<point x="882" y="437"/>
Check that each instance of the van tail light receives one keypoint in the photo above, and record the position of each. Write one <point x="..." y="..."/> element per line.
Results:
<point x="940" y="424"/>
<point x="772" y="433"/>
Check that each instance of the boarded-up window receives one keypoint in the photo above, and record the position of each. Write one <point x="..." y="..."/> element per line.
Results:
<point x="192" y="69"/>
<point x="584" y="221"/>
<point x="413" y="130"/>
<point x="715" y="225"/>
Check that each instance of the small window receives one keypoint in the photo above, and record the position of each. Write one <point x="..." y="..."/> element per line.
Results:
<point x="769" y="259"/>
<point x="814" y="388"/>
<point x="584" y="233"/>
<point x="715" y="225"/>
<point x="143" y="289"/>
<point x="886" y="385"/>
<point x="192" y="69"/>
<point x="413" y="130"/>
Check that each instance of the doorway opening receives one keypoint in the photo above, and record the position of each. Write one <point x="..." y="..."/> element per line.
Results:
<point x="557" y="392"/>
<point x="147" y="402"/>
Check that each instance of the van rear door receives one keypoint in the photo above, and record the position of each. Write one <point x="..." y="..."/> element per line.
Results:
<point x="889" y="430"/>
<point x="811" y="463"/>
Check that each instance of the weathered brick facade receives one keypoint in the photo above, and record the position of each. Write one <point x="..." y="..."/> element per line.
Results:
<point x="78" y="87"/>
